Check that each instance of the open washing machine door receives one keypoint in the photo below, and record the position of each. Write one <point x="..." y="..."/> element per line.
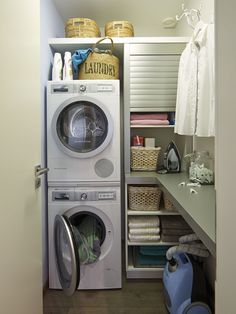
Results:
<point x="77" y="241"/>
<point x="67" y="256"/>
<point x="82" y="128"/>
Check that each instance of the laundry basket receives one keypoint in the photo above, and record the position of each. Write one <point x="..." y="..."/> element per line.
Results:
<point x="100" y="64"/>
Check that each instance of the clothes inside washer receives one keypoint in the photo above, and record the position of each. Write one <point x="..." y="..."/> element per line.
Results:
<point x="88" y="238"/>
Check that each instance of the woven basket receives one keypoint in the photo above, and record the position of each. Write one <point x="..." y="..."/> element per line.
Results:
<point x="144" y="158"/>
<point x="119" y="29"/>
<point x="144" y="197"/>
<point x="168" y="205"/>
<point x="82" y="27"/>
<point x="100" y="64"/>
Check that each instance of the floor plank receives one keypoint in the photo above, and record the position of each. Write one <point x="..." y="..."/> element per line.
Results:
<point x="135" y="297"/>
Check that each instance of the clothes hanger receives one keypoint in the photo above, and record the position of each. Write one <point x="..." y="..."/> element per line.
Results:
<point x="190" y="15"/>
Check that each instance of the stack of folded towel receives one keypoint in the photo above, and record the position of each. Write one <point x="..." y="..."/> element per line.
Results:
<point x="149" y="119"/>
<point x="173" y="227"/>
<point x="144" y="228"/>
<point x="151" y="256"/>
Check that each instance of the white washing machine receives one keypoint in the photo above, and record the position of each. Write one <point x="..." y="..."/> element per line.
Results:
<point x="83" y="131"/>
<point x="67" y="210"/>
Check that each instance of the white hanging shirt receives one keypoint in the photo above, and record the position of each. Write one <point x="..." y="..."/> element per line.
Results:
<point x="204" y="40"/>
<point x="195" y="103"/>
<point x="185" y="114"/>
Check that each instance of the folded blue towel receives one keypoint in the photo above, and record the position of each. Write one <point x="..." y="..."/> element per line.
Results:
<point x="79" y="57"/>
<point x="150" y="260"/>
<point x="153" y="250"/>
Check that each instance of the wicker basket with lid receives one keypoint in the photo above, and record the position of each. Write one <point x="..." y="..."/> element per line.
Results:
<point x="119" y="29"/>
<point x="81" y="27"/>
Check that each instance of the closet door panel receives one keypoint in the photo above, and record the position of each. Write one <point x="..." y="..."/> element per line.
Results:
<point x="153" y="71"/>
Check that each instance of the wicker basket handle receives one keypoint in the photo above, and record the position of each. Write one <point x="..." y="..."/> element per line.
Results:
<point x="95" y="49"/>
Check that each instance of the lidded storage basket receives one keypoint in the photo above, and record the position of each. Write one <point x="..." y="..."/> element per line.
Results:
<point x="144" y="158"/>
<point x="144" y="197"/>
<point x="82" y="27"/>
<point x="100" y="64"/>
<point x="119" y="29"/>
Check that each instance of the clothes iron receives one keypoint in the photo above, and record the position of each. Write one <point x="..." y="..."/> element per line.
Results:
<point x="172" y="161"/>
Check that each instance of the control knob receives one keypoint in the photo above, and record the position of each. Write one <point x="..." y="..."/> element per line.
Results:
<point x="83" y="196"/>
<point x="82" y="88"/>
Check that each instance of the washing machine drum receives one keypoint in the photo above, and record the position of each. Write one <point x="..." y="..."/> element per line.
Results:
<point x="83" y="127"/>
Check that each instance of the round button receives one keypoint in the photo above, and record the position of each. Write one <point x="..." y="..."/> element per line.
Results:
<point x="82" y="88"/>
<point x="83" y="196"/>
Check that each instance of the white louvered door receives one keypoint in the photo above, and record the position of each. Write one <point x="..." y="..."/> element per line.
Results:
<point x="153" y="74"/>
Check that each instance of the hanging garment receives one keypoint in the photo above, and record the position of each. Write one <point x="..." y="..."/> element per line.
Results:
<point x="195" y="104"/>
<point x="186" y="103"/>
<point x="204" y="40"/>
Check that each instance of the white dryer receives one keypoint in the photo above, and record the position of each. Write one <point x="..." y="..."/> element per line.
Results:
<point x="83" y="131"/>
<point x="68" y="207"/>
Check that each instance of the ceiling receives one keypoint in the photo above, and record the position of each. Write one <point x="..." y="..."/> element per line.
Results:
<point x="146" y="16"/>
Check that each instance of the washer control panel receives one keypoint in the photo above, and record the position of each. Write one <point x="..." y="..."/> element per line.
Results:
<point x="106" y="196"/>
<point x="90" y="196"/>
<point x="60" y="195"/>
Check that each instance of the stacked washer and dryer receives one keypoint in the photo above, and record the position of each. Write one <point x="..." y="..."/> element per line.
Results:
<point x="83" y="154"/>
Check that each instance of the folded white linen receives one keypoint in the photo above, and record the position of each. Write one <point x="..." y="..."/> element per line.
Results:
<point x="144" y="231"/>
<point x="144" y="221"/>
<point x="143" y="238"/>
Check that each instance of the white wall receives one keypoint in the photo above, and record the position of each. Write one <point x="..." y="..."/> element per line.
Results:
<point x="225" y="155"/>
<point x="51" y="26"/>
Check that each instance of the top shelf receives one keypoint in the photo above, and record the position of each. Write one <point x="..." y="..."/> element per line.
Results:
<point x="118" y="40"/>
<point x="64" y="44"/>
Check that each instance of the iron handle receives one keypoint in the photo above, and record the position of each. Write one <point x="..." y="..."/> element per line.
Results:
<point x="40" y="171"/>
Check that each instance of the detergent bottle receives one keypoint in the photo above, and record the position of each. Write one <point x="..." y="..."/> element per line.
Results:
<point x="67" y="69"/>
<point x="57" y="67"/>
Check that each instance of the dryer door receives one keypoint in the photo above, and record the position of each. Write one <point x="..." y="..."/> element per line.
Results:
<point x="66" y="253"/>
<point x="82" y="128"/>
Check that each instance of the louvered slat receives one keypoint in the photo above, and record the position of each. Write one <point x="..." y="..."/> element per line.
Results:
<point x="154" y="63"/>
<point x="153" y="81"/>
<point x="152" y="97"/>
<point x="169" y="58"/>
<point x="156" y="91"/>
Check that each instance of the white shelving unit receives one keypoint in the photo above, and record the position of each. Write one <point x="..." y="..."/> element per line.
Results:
<point x="150" y="84"/>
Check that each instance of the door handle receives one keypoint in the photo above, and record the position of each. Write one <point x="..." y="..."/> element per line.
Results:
<point x="38" y="171"/>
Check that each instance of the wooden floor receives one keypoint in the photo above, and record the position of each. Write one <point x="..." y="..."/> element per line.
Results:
<point x="136" y="297"/>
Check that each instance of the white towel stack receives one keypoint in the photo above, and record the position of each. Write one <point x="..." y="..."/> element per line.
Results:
<point x="144" y="228"/>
